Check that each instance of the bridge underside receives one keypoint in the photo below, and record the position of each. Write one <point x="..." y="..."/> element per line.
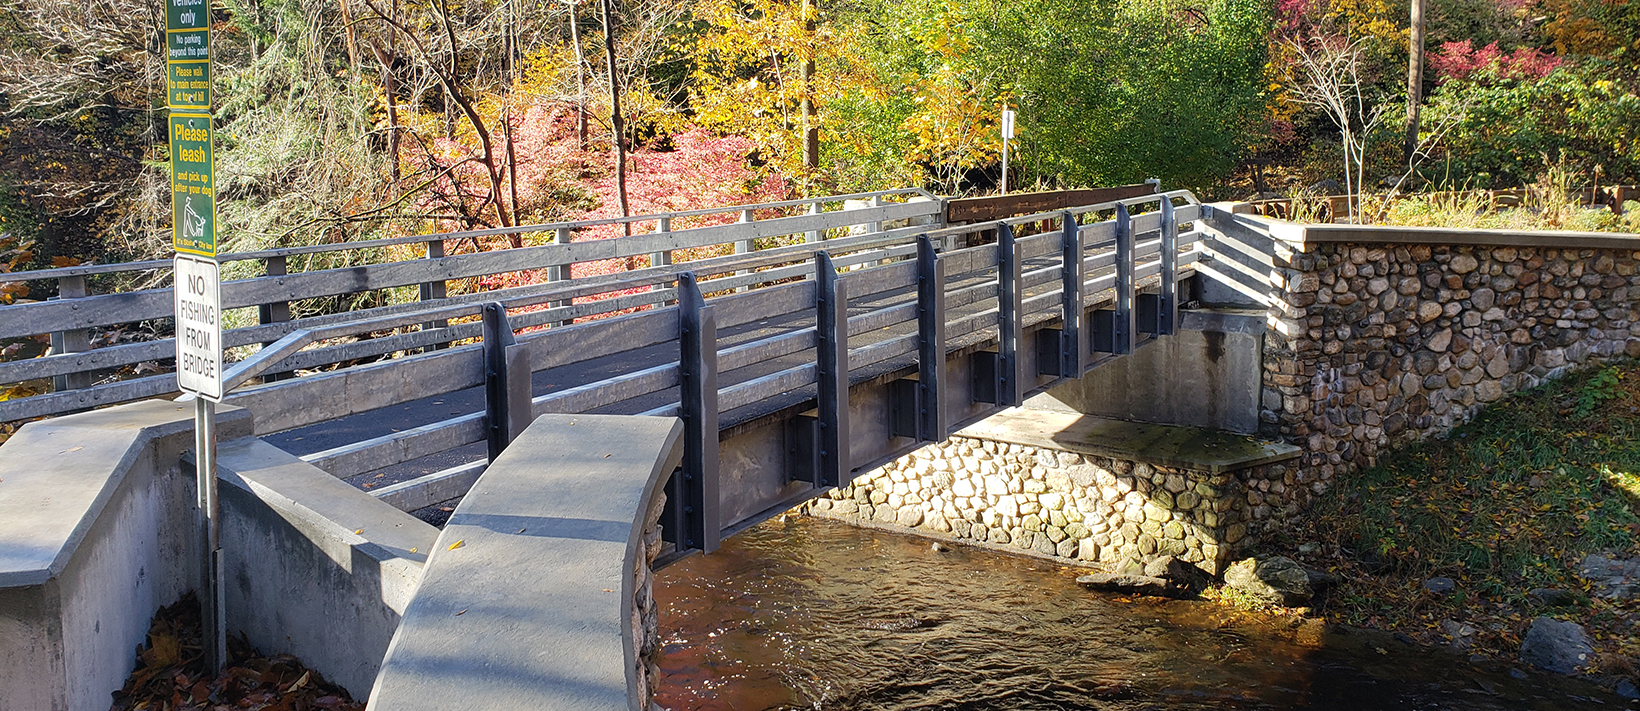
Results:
<point x="767" y="463"/>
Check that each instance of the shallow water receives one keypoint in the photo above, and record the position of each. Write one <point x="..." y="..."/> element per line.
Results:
<point x="816" y="614"/>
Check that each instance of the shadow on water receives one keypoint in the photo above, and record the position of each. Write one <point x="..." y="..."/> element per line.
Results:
<point x="817" y="614"/>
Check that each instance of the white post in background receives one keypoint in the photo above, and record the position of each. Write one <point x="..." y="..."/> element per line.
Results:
<point x="1007" y="135"/>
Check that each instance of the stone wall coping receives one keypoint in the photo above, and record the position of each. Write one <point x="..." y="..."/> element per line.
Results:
<point x="526" y="600"/>
<point x="1299" y="234"/>
<point x="57" y="475"/>
<point x="1183" y="447"/>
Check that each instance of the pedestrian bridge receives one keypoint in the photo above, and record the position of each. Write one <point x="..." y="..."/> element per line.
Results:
<point x="817" y="345"/>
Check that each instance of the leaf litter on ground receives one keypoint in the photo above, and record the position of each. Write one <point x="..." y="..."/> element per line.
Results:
<point x="171" y="675"/>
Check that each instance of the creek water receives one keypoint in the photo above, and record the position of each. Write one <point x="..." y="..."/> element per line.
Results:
<point x="811" y="613"/>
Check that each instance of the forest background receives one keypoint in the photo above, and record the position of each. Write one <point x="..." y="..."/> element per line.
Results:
<point x="343" y="120"/>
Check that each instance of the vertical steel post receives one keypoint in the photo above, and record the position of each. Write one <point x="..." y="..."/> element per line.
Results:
<point x="507" y="408"/>
<point x="831" y="344"/>
<point x="72" y="341"/>
<point x="1073" y="348"/>
<point x="663" y="257"/>
<point x="212" y="602"/>
<point x="701" y="525"/>
<point x="932" y="423"/>
<point x="1126" y="314"/>
<point x="1010" y="321"/>
<point x="1167" y="311"/>
<point x="277" y="311"/>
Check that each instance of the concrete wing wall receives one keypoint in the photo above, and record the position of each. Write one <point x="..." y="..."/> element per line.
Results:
<point x="98" y="531"/>
<point x="536" y="594"/>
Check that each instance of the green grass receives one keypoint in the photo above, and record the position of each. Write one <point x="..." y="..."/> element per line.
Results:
<point x="1510" y="502"/>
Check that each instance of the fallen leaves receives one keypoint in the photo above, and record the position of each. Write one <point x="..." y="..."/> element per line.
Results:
<point x="170" y="675"/>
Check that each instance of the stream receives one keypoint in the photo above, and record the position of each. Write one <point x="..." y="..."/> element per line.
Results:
<point x="815" y="614"/>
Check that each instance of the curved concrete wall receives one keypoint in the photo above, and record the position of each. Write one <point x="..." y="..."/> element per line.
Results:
<point x="536" y="595"/>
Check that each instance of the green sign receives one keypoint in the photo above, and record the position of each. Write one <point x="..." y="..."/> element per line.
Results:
<point x="188" y="55"/>
<point x="193" y="187"/>
<point x="189" y="85"/>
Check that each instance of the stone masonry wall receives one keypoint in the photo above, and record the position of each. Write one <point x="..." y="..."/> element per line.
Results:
<point x="645" y="616"/>
<point x="1377" y="344"/>
<point x="1063" y="504"/>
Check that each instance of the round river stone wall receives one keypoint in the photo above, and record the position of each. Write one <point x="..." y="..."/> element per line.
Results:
<point x="1049" y="502"/>
<point x="1375" y="344"/>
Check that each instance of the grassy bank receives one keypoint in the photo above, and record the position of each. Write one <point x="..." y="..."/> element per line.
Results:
<point x="1506" y="504"/>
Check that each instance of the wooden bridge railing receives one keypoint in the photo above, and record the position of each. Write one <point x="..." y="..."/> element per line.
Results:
<point x="73" y="365"/>
<point x="913" y="302"/>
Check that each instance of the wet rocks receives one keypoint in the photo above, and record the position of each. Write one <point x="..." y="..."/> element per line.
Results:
<point x="1460" y="634"/>
<point x="1560" y="647"/>
<point x="1277" y="580"/>
<point x="1125" y="583"/>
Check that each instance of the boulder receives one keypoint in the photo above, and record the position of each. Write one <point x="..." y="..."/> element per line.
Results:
<point x="1124" y="583"/>
<point x="1612" y="578"/>
<point x="1277" y="580"/>
<point x="1169" y="568"/>
<point x="1560" y="647"/>
<point x="1554" y="597"/>
<point x="1441" y="586"/>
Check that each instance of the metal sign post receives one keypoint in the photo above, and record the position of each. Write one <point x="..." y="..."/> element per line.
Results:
<point x="1007" y="135"/>
<point x="198" y="279"/>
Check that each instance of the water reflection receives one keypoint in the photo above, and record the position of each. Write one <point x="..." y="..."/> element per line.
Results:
<point x="816" y="614"/>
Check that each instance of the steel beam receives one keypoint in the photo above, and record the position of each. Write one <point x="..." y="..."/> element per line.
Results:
<point x="933" y="424"/>
<point x="831" y="345"/>
<point x="507" y="404"/>
<point x="694" y="498"/>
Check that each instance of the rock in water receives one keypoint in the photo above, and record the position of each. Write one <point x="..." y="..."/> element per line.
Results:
<point x="1278" y="580"/>
<point x="1124" y="583"/>
<point x="1560" y="647"/>
<point x="1168" y="567"/>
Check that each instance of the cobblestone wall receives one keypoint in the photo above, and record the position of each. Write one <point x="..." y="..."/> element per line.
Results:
<point x="1064" y="504"/>
<point x="1375" y="344"/>
<point x="645" y="616"/>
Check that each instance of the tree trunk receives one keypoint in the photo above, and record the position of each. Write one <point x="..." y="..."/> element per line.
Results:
<point x="1415" y="76"/>
<point x="580" y="77"/>
<point x="617" y="124"/>
<point x="811" y="127"/>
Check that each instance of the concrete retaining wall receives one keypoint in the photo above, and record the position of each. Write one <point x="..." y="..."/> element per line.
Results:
<point x="314" y="567"/>
<point x="98" y="531"/>
<point x="537" y="593"/>
<point x="1207" y="375"/>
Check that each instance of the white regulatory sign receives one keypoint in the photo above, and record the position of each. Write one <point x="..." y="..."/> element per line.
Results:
<point x="199" y="327"/>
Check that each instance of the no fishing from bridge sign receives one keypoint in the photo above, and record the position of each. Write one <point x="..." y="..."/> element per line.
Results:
<point x="198" y="297"/>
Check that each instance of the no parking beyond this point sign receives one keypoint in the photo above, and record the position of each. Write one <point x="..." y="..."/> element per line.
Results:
<point x="199" y="327"/>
